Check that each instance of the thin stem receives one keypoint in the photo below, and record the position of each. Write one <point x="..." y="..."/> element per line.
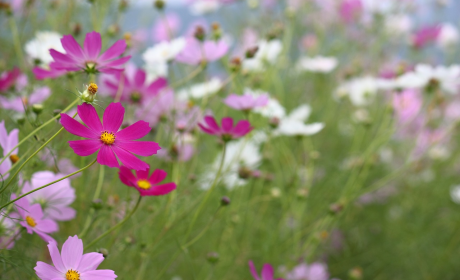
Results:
<point x="17" y="42"/>
<point x="208" y="194"/>
<point x="38" y="129"/>
<point x="44" y="186"/>
<point x="115" y="226"/>
<point x="203" y="231"/>
<point x="89" y="219"/>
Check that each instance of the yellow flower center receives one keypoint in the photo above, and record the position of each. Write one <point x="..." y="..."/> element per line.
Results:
<point x="108" y="137"/>
<point x="14" y="158"/>
<point x="30" y="221"/>
<point x="72" y="275"/>
<point x="92" y="88"/>
<point x="144" y="184"/>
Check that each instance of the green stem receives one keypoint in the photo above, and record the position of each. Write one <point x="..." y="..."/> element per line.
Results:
<point x="44" y="186"/>
<point x="203" y="231"/>
<point x="17" y="42"/>
<point x="38" y="129"/>
<point x="208" y="194"/>
<point x="89" y="219"/>
<point x="115" y="226"/>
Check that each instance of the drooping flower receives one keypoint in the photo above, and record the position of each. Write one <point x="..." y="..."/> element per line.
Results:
<point x="8" y="142"/>
<point x="8" y="79"/>
<point x="72" y="264"/>
<point x="134" y="85"/>
<point x="55" y="199"/>
<point x="145" y="184"/>
<point x="89" y="58"/>
<point x="19" y="104"/>
<point x="266" y="274"/>
<point x="197" y="52"/>
<point x="32" y="219"/>
<point x="294" y="123"/>
<point x="227" y="132"/>
<point x="247" y="101"/>
<point x="107" y="139"/>
<point x="9" y="231"/>
<point x="38" y="48"/>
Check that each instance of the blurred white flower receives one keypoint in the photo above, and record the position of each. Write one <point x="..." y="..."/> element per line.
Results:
<point x="398" y="24"/>
<point x="200" y="90"/>
<point x="448" y="36"/>
<point x="200" y="7"/>
<point x="317" y="64"/>
<point x="156" y="58"/>
<point x="272" y="110"/>
<point x="268" y="52"/>
<point x="38" y="48"/>
<point x="455" y="193"/>
<point x="360" y="90"/>
<point x="294" y="124"/>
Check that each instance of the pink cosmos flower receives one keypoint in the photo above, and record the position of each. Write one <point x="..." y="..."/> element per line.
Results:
<point x="18" y="104"/>
<point x="32" y="219"/>
<point x="407" y="105"/>
<point x="8" y="142"/>
<point x="51" y="73"/>
<point x="106" y="138"/>
<point x="71" y="263"/>
<point x="9" y="231"/>
<point x="314" y="271"/>
<point x="134" y="85"/>
<point x="54" y="199"/>
<point x="89" y="58"/>
<point x="196" y="52"/>
<point x="158" y="107"/>
<point x="8" y="79"/>
<point x="350" y="9"/>
<point x="227" y="131"/>
<point x="166" y="28"/>
<point x="246" y="102"/>
<point x="180" y="152"/>
<point x="145" y="184"/>
<point x="267" y="272"/>
<point x="425" y="35"/>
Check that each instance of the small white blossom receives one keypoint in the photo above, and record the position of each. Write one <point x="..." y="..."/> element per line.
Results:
<point x="200" y="90"/>
<point x="319" y="64"/>
<point x="294" y="124"/>
<point x="38" y="48"/>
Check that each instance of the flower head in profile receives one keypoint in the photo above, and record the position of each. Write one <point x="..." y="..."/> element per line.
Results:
<point x="267" y="272"/>
<point x="89" y="58"/>
<point x="145" y="184"/>
<point x="32" y="219"/>
<point x="227" y="131"/>
<point x="246" y="102"/>
<point x="72" y="264"/>
<point x="108" y="139"/>
<point x="7" y="143"/>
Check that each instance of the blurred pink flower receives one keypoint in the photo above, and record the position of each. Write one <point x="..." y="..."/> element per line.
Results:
<point x="425" y="35"/>
<point x="166" y="27"/>
<point x="246" y="102"/>
<point x="349" y="10"/>
<point x="71" y="263"/>
<point x="51" y="73"/>
<point x="314" y="271"/>
<point x="158" y="107"/>
<point x="407" y="105"/>
<point x="134" y="85"/>
<point x="196" y="52"/>
<point x="428" y="138"/>
<point x="10" y="231"/>
<point x="18" y="104"/>
<point x="32" y="219"/>
<point x="180" y="151"/>
<point x="145" y="184"/>
<point x="8" y="79"/>
<point x="267" y="272"/>
<point x="227" y="132"/>
<point x="54" y="199"/>
<point x="106" y="138"/>
<point x="7" y="142"/>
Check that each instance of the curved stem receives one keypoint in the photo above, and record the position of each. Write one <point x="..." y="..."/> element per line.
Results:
<point x="89" y="219"/>
<point x="38" y="129"/>
<point x="208" y="194"/>
<point x="31" y="156"/>
<point x="44" y="186"/>
<point x="115" y="226"/>
<point x="203" y="231"/>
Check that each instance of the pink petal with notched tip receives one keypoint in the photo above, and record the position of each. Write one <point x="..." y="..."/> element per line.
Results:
<point x="72" y="252"/>
<point x="114" y="51"/>
<point x="129" y="160"/>
<point x="207" y="130"/>
<point x="85" y="147"/>
<point x="113" y="117"/>
<point x="126" y="176"/>
<point x="142" y="148"/>
<point x="90" y="262"/>
<point x="135" y="131"/>
<point x="46" y="271"/>
<point x="106" y="156"/>
<point x="44" y="236"/>
<point x="89" y="116"/>
<point x="92" y="45"/>
<point x="242" y="128"/>
<point x="77" y="128"/>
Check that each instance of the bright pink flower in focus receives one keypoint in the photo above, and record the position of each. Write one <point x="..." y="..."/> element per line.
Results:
<point x="8" y="79"/>
<point x="267" y="272"/>
<point x="134" y="85"/>
<point x="71" y="263"/>
<point x="350" y="9"/>
<point x="246" y="102"/>
<point x="145" y="184"/>
<point x="106" y="138"/>
<point x="32" y="219"/>
<point x="89" y="58"/>
<point x="227" y="132"/>
<point x="196" y="52"/>
<point x="426" y="35"/>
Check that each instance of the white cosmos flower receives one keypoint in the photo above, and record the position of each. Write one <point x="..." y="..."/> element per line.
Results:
<point x="268" y="52"/>
<point x="156" y="58"/>
<point x="201" y="90"/>
<point x="455" y="193"/>
<point x="398" y="24"/>
<point x="200" y="7"/>
<point x="319" y="64"/>
<point x="38" y="48"/>
<point x="361" y="90"/>
<point x="272" y="110"/>
<point x="448" y="36"/>
<point x="294" y="123"/>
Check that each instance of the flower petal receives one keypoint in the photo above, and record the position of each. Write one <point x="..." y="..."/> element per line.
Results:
<point x="139" y="78"/>
<point x="72" y="252"/>
<point x="114" y="63"/>
<point x="88" y="115"/>
<point x="157" y="176"/>
<point x="44" y="236"/>
<point x="115" y="50"/>
<point x="267" y="272"/>
<point x="47" y="226"/>
<point x="143" y="174"/>
<point x="85" y="147"/>
<point x="129" y="160"/>
<point x="142" y="148"/>
<point x="253" y="270"/>
<point x="72" y="48"/>
<point x="102" y="274"/>
<point x="126" y="176"/>
<point x="242" y="128"/>
<point x="61" y="213"/>
<point x="227" y="124"/>
<point x="135" y="131"/>
<point x="76" y="128"/>
<point x="90" y="261"/>
<point x="212" y="124"/>
<point x="158" y="190"/>
<point x="113" y="117"/>
<point x="107" y="157"/>
<point x="46" y="271"/>
<point x="56" y="256"/>
<point x="92" y="45"/>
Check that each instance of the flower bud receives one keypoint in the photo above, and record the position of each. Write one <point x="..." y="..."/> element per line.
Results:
<point x="251" y="52"/>
<point x="199" y="33"/>
<point x="212" y="257"/>
<point x="104" y="252"/>
<point x="159" y="4"/>
<point x="244" y="172"/>
<point x="14" y="158"/>
<point x="274" y="122"/>
<point x="76" y="29"/>
<point x="224" y="201"/>
<point x="216" y="31"/>
<point x="97" y="204"/>
<point x="235" y="64"/>
<point x="37" y="108"/>
<point x="89" y="95"/>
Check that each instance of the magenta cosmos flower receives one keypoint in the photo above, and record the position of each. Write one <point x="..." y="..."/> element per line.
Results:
<point x="267" y="272"/>
<point x="89" y="58"/>
<point x="196" y="52"/>
<point x="72" y="264"/>
<point x="8" y="79"/>
<point x="32" y="219"/>
<point x="134" y="85"/>
<point x="350" y="9"/>
<point x="246" y="102"/>
<point x="227" y="132"/>
<point x="425" y="35"/>
<point x="106" y="138"/>
<point x="145" y="184"/>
